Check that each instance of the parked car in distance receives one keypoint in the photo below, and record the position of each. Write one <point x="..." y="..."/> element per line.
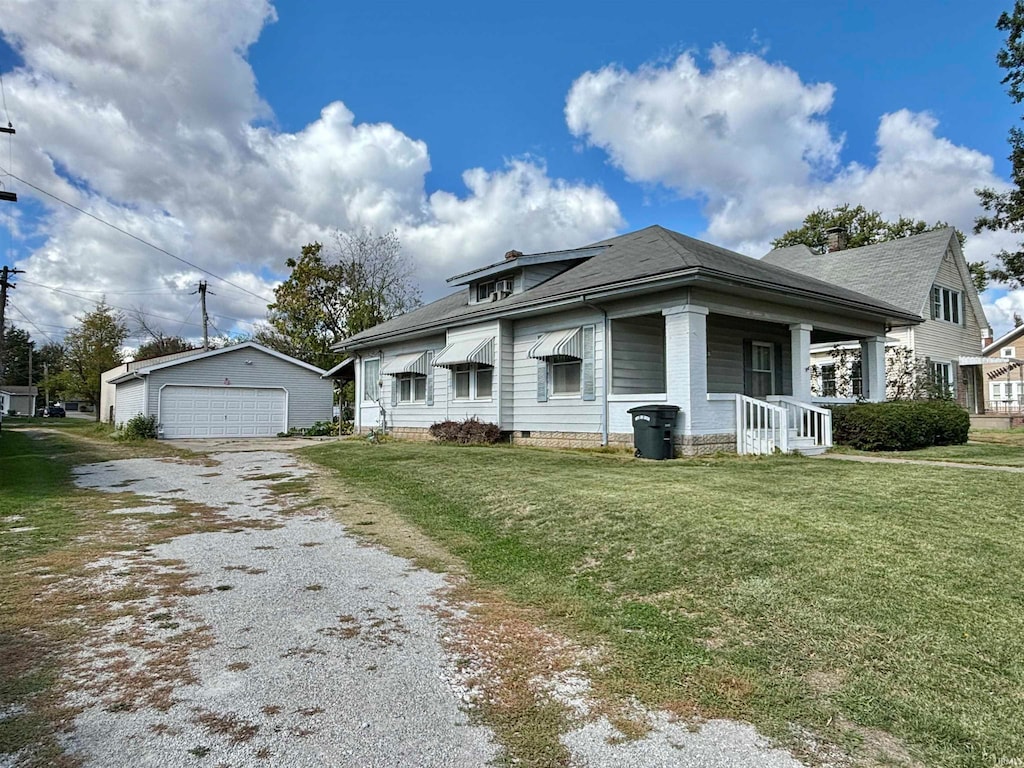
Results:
<point x="54" y="411"/>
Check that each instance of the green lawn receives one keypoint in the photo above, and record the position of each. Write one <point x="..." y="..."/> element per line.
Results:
<point x="851" y="600"/>
<point x="989" y="446"/>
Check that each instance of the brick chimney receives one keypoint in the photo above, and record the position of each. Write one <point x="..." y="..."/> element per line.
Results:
<point x="837" y="238"/>
<point x="513" y="255"/>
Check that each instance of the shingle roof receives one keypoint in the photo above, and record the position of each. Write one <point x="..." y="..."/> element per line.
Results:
<point x="647" y="253"/>
<point x="899" y="272"/>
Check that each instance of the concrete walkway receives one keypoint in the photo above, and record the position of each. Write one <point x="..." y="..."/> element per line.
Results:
<point x="921" y="462"/>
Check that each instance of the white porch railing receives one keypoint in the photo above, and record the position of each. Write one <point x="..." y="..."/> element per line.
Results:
<point x="761" y="428"/>
<point x="809" y="424"/>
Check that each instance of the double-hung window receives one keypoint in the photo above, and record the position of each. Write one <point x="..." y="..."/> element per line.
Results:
<point x="412" y="387"/>
<point x="942" y="377"/>
<point x="947" y="304"/>
<point x="857" y="378"/>
<point x="472" y="381"/>
<point x="827" y="372"/>
<point x="371" y="380"/>
<point x="762" y="368"/>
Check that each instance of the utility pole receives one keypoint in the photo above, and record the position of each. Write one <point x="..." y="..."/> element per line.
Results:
<point x="5" y="284"/>
<point x="206" y="318"/>
<point x="46" y="383"/>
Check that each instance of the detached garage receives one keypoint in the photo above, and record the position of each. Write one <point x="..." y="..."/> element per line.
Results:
<point x="246" y="390"/>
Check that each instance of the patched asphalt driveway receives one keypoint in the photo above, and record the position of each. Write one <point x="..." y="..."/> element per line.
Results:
<point x="274" y="638"/>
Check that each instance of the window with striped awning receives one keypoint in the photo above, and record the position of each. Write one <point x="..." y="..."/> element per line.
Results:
<point x="559" y="344"/>
<point x="466" y="352"/>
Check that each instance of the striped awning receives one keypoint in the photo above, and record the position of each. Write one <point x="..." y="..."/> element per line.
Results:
<point x="566" y="343"/>
<point x="415" y="362"/>
<point x="467" y="351"/>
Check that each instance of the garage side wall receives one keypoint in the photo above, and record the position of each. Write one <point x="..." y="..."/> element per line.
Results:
<point x="310" y="398"/>
<point x="129" y="399"/>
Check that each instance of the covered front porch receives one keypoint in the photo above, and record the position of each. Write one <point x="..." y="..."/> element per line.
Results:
<point x="742" y="382"/>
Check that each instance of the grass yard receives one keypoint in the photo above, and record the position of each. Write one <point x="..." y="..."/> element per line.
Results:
<point x="984" y="446"/>
<point x="876" y="607"/>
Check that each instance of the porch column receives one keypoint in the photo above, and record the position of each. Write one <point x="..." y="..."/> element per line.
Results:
<point x="800" y="360"/>
<point x="872" y="368"/>
<point x="686" y="363"/>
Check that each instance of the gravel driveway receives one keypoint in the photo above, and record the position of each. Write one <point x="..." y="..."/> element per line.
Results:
<point x="290" y="643"/>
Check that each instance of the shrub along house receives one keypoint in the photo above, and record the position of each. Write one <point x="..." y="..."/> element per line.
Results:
<point x="556" y="347"/>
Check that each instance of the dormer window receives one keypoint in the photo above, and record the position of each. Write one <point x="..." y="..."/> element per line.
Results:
<point x="484" y="290"/>
<point x="492" y="290"/>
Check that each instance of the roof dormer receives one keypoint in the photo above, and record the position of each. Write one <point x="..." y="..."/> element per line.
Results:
<point x="519" y="272"/>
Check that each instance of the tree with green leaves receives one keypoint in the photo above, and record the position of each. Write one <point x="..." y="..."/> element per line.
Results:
<point x="161" y="345"/>
<point x="18" y="349"/>
<point x="1005" y="210"/>
<point x="93" y="347"/>
<point x="864" y="227"/>
<point x="357" y="281"/>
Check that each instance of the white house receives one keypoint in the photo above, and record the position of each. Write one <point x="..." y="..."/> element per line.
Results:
<point x="246" y="390"/>
<point x="925" y="275"/>
<point x="1004" y="373"/>
<point x="556" y="347"/>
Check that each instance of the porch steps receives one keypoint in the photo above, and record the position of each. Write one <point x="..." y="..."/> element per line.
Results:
<point x="804" y="445"/>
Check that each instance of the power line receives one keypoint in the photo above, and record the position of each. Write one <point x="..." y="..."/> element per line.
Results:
<point x="30" y="321"/>
<point x="112" y="306"/>
<point x="139" y="239"/>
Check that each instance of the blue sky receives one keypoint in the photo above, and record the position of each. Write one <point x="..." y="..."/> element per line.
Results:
<point x="232" y="133"/>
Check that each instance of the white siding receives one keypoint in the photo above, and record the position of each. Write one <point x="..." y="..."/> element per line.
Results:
<point x="409" y="414"/>
<point x="484" y="409"/>
<point x="558" y="414"/>
<point x="942" y="341"/>
<point x="310" y="398"/>
<point x="536" y="274"/>
<point x="506" y="373"/>
<point x="130" y="400"/>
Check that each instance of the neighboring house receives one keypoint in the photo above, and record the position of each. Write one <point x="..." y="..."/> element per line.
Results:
<point x="1004" y="373"/>
<point x="246" y="390"/>
<point x="5" y="403"/>
<point x="21" y="399"/>
<point x="556" y="347"/>
<point x="924" y="275"/>
<point x="107" y="390"/>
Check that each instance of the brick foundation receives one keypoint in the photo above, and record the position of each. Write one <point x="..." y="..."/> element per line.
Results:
<point x="685" y="445"/>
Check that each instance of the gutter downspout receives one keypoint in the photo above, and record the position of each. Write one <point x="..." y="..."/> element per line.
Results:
<point x="606" y="373"/>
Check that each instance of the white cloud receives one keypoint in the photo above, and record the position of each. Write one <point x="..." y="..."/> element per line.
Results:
<point x="148" y="115"/>
<point x="751" y="140"/>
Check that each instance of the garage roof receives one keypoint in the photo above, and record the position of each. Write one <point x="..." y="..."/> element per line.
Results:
<point x="202" y="355"/>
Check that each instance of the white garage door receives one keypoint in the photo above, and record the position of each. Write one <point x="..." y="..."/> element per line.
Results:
<point x="222" y="411"/>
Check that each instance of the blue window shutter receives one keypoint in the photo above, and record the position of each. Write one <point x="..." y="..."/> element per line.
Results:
<point x="589" y="374"/>
<point x="394" y="390"/>
<point x="430" y="378"/>
<point x="542" y="381"/>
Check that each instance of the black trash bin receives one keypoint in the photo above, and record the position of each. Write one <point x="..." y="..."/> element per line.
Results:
<point x="652" y="430"/>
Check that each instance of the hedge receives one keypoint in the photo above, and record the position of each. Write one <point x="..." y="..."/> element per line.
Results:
<point x="899" y="425"/>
